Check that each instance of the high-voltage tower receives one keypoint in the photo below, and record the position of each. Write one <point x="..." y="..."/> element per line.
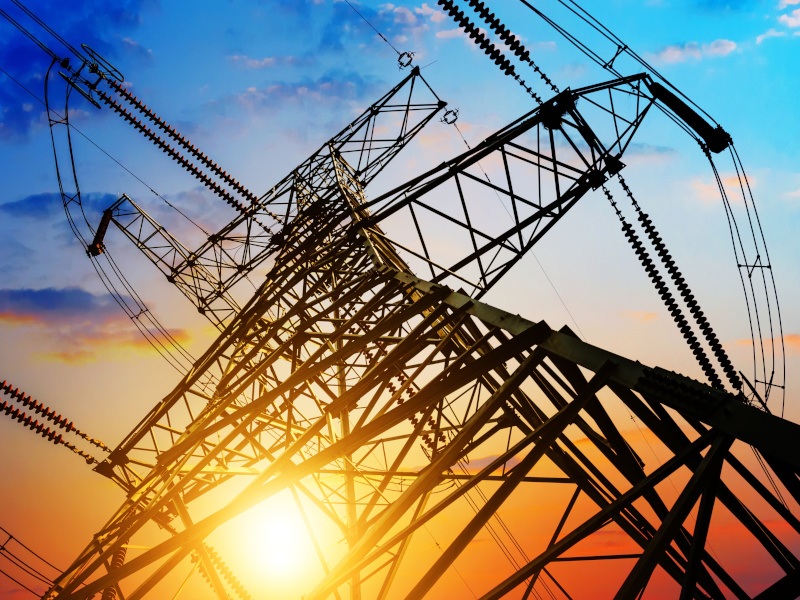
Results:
<point x="368" y="380"/>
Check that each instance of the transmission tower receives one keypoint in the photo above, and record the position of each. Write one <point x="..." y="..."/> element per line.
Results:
<point x="368" y="380"/>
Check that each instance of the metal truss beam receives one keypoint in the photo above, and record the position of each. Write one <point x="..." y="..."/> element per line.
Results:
<point x="207" y="274"/>
<point x="368" y="393"/>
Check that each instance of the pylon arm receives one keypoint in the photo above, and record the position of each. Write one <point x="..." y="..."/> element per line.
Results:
<point x="207" y="275"/>
<point x="496" y="200"/>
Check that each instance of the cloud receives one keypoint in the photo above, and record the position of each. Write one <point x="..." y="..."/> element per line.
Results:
<point x="641" y="315"/>
<point x="102" y="25"/>
<point x="135" y="49"/>
<point x="694" y="51"/>
<point x="36" y="206"/>
<point x="449" y="34"/>
<point x="247" y="62"/>
<point x="400" y="15"/>
<point x="48" y="205"/>
<point x="73" y="325"/>
<point x="792" y="19"/>
<point x="648" y="153"/>
<point x="709" y="192"/>
<point x="720" y="48"/>
<point x="476" y="464"/>
<point x="330" y="89"/>
<point x="769" y="34"/>
<point x="338" y="33"/>
<point x="792" y="342"/>
<point x="724" y="5"/>
<point x="786" y="3"/>
<point x="435" y="15"/>
<point x="53" y="306"/>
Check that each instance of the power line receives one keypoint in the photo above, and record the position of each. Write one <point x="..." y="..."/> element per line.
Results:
<point x="373" y="27"/>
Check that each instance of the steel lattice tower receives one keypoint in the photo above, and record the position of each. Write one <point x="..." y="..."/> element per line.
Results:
<point x="367" y="379"/>
<point x="365" y="391"/>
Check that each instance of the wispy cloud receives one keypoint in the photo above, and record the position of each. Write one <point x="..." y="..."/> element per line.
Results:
<point x="332" y="88"/>
<point x="449" y="34"/>
<point x="709" y="192"/>
<point x="476" y="464"/>
<point x="792" y="341"/>
<point x="772" y="33"/>
<point x="792" y="19"/>
<point x="135" y="48"/>
<point x="694" y="51"/>
<point x="47" y="205"/>
<point x="247" y="62"/>
<point x="642" y="316"/>
<point x="724" y="5"/>
<point x="648" y="153"/>
<point x="73" y="324"/>
<point x="433" y="14"/>
<point x="399" y="15"/>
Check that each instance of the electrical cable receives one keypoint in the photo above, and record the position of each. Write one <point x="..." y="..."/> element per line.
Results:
<point x="770" y="288"/>
<point x="491" y="50"/>
<point x="27" y="569"/>
<point x="18" y="582"/>
<point x="12" y="537"/>
<point x="27" y="33"/>
<point x="666" y="295"/>
<point x="49" y="30"/>
<point x="373" y="28"/>
<point x="110" y="156"/>
<point x="107" y="283"/>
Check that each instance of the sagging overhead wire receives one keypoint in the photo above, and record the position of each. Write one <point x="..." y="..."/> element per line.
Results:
<point x="49" y="30"/>
<point x="754" y="265"/>
<point x="154" y="332"/>
<point x="404" y="59"/>
<point x="25" y="563"/>
<point x="30" y="36"/>
<point x="140" y="312"/>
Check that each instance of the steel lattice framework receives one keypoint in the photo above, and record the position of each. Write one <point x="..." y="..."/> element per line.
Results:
<point x="397" y="408"/>
<point x="367" y="380"/>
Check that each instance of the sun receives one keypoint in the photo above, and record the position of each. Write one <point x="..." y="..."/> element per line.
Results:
<point x="271" y="550"/>
<point x="278" y="541"/>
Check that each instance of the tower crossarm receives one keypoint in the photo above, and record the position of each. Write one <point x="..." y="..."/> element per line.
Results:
<point x="199" y="279"/>
<point x="496" y="200"/>
<point x="207" y="274"/>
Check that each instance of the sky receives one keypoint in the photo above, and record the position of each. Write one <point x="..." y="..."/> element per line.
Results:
<point x="258" y="86"/>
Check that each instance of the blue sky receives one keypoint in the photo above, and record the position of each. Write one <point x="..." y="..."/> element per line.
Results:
<point x="259" y="85"/>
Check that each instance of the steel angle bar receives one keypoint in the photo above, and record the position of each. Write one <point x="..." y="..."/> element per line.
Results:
<point x="707" y="473"/>
<point x="603" y="516"/>
<point x="547" y="434"/>
<point x="429" y="477"/>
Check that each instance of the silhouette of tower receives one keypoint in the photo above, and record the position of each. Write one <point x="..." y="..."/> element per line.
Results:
<point x="442" y="438"/>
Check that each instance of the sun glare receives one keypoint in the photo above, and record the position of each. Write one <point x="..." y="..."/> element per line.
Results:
<point x="272" y="548"/>
<point x="278" y="542"/>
